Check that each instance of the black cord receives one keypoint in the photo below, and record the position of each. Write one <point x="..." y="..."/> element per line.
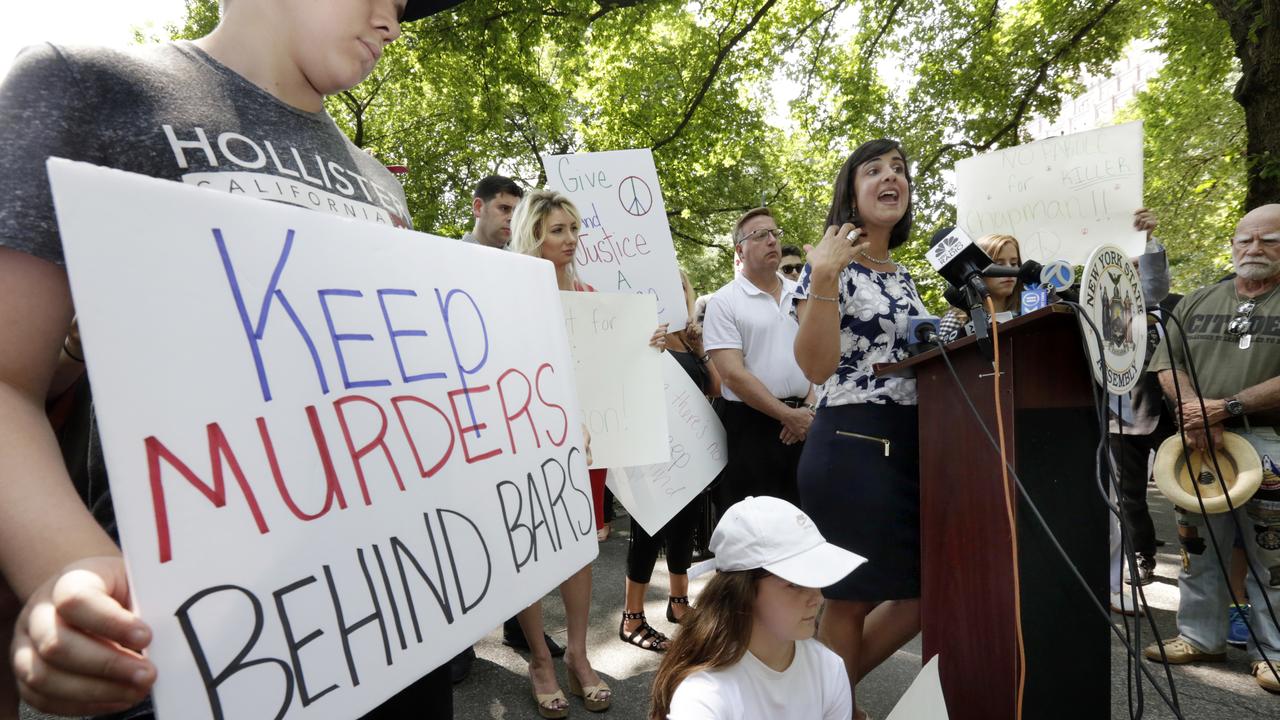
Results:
<point x="1107" y="458"/>
<point x="1035" y="511"/>
<point x="1213" y="456"/>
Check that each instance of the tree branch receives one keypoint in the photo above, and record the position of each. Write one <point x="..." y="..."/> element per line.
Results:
<point x="868" y="49"/>
<point x="711" y="75"/>
<point x="531" y="140"/>
<point x="703" y="243"/>
<point x="992" y="14"/>
<point x="817" y="52"/>
<point x="1024" y="102"/>
<point x="608" y="6"/>
<point x="809" y="25"/>
<point x="357" y="115"/>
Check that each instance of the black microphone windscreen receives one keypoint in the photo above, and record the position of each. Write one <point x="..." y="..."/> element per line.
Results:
<point x="1029" y="273"/>
<point x="939" y="234"/>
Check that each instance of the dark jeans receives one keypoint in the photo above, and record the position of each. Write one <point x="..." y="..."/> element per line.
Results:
<point x="1133" y="453"/>
<point x="759" y="464"/>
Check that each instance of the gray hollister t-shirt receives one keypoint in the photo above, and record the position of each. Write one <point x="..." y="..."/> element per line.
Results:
<point x="168" y="111"/>
<point x="171" y="111"/>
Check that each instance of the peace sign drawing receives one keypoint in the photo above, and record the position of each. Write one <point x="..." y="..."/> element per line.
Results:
<point x="635" y="196"/>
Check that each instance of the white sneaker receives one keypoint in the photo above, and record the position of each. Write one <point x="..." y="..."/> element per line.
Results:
<point x="1122" y="603"/>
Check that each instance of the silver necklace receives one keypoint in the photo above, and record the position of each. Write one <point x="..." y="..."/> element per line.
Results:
<point x="879" y="261"/>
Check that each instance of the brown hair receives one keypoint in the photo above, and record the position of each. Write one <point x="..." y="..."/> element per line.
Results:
<point x="714" y="634"/>
<point x="753" y="212"/>
<point x="992" y="245"/>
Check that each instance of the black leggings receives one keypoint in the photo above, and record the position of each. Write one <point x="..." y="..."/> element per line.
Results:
<point x="642" y="550"/>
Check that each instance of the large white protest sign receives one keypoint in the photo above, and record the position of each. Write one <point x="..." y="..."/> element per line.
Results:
<point x="653" y="494"/>
<point x="619" y="376"/>
<point x="335" y="461"/>
<point x="625" y="242"/>
<point x="1061" y="197"/>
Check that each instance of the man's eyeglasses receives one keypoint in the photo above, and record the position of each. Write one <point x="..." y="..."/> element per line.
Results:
<point x="764" y="233"/>
<point x="1268" y="241"/>
<point x="789" y="269"/>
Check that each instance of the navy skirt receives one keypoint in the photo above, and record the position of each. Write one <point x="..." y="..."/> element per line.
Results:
<point x="859" y="480"/>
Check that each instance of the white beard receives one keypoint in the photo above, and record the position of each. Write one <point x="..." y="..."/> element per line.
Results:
<point x="1257" y="271"/>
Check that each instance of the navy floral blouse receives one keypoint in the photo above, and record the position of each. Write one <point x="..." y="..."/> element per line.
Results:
<point x="876" y="308"/>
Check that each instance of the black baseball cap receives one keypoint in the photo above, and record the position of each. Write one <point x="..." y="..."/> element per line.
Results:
<point x="418" y="9"/>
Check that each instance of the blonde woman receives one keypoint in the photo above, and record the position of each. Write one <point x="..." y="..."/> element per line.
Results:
<point x="1006" y="293"/>
<point x="546" y="225"/>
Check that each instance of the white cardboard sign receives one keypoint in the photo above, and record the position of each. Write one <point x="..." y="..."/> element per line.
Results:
<point x="619" y="376"/>
<point x="335" y="461"/>
<point x="653" y="494"/>
<point x="1061" y="197"/>
<point x="924" y="699"/>
<point x="625" y="243"/>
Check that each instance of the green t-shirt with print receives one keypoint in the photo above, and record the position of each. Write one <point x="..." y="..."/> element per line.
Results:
<point x="1223" y="367"/>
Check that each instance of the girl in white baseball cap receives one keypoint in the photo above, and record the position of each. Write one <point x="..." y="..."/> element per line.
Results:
<point x="746" y="651"/>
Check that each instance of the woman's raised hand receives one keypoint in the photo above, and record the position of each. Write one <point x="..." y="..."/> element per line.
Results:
<point x="839" y="246"/>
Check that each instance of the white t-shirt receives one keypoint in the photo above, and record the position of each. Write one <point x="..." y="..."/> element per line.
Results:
<point x="741" y="316"/>
<point x="814" y="687"/>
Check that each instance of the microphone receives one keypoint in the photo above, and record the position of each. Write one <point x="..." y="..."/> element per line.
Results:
<point x="922" y="329"/>
<point x="922" y="332"/>
<point x="961" y="262"/>
<point x="1028" y="273"/>
<point x="957" y="258"/>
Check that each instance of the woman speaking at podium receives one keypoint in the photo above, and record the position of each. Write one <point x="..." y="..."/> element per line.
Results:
<point x="859" y="474"/>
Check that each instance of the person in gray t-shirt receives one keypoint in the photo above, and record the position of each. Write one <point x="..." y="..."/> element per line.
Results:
<point x="240" y="110"/>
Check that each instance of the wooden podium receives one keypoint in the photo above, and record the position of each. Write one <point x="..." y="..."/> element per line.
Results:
<point x="967" y="603"/>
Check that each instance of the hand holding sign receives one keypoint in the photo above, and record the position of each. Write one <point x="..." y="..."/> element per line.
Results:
<point x="76" y="644"/>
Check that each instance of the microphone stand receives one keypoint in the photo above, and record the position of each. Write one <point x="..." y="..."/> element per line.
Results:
<point x="975" y="291"/>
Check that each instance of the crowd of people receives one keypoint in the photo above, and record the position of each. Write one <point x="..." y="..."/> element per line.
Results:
<point x="816" y="551"/>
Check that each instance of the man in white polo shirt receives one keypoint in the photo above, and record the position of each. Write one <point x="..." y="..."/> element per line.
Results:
<point x="749" y="332"/>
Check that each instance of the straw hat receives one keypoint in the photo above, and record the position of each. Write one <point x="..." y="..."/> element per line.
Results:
<point x="1241" y="473"/>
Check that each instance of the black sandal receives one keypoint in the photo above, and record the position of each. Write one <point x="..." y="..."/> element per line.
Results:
<point x="675" y="600"/>
<point x="644" y="636"/>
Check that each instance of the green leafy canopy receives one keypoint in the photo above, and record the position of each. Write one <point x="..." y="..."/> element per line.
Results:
<point x="492" y="84"/>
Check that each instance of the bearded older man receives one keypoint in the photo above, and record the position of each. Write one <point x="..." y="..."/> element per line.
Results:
<point x="1232" y="330"/>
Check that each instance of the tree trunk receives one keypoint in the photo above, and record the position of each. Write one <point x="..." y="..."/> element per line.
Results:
<point x="1255" y="28"/>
